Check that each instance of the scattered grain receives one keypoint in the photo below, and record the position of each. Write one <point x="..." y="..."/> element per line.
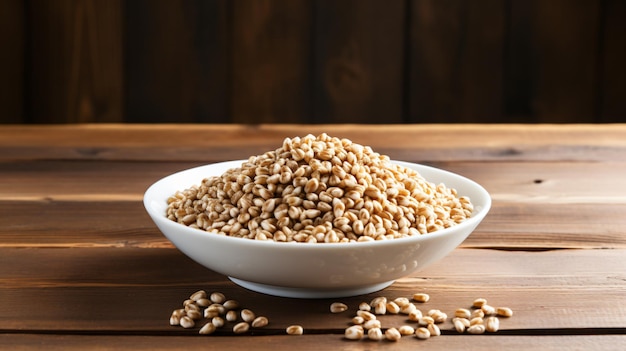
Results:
<point x="488" y="310"/>
<point x="478" y="303"/>
<point x="260" y="322"/>
<point x="392" y="308"/>
<point x="504" y="312"/>
<point x="492" y="324"/>
<point x="232" y="316"/>
<point x="406" y="330"/>
<point x="462" y="313"/>
<point x="421" y="297"/>
<point x="217" y="297"/>
<point x="174" y="320"/>
<point x="392" y="334"/>
<point x="476" y="329"/>
<point x="433" y="329"/>
<point x="422" y="333"/>
<point x="247" y="315"/>
<point x="218" y="322"/>
<point x="459" y="325"/>
<point x="372" y="323"/>
<point x="425" y="320"/>
<point x="375" y="334"/>
<point x="200" y="294"/>
<point x="241" y="327"/>
<point x="338" y="307"/>
<point x="294" y="330"/>
<point x="366" y="315"/>
<point x="354" y="332"/>
<point x="187" y="322"/>
<point x="208" y="328"/>
<point x="231" y="304"/>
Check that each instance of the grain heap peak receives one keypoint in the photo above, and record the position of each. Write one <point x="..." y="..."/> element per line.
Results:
<point x="319" y="190"/>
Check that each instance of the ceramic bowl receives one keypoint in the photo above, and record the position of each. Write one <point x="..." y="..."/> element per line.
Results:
<point x="321" y="270"/>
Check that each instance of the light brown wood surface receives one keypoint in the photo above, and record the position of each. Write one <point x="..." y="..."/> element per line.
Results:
<point x="83" y="266"/>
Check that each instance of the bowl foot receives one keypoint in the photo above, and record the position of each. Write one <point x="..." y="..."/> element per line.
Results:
<point x="309" y="293"/>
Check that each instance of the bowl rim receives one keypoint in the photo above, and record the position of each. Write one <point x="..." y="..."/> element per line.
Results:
<point x="152" y="195"/>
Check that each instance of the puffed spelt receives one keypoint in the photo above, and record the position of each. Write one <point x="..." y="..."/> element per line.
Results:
<point x="318" y="190"/>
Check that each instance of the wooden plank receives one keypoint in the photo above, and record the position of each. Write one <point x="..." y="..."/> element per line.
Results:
<point x="359" y="61"/>
<point x="534" y="183"/>
<point x="271" y="60"/>
<point x="12" y="37"/>
<point x="178" y="61"/>
<point x="309" y="342"/>
<point x="126" y="224"/>
<point x="211" y="143"/>
<point x="85" y="224"/>
<point x="518" y="83"/>
<point x="553" y="53"/>
<point x="455" y="61"/>
<point x="613" y="74"/>
<point x="526" y="202"/>
<point x="107" y="296"/>
<point x="75" y="63"/>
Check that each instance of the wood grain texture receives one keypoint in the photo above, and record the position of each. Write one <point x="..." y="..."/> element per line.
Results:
<point x="415" y="142"/>
<point x="526" y="200"/>
<point x="76" y="61"/>
<point x="12" y="37"/>
<point x="219" y="61"/>
<point x="82" y="264"/>
<point x="309" y="342"/>
<point x="455" y="61"/>
<point x="140" y="299"/>
<point x="613" y="73"/>
<point x="271" y="58"/>
<point x="553" y="51"/>
<point x="508" y="226"/>
<point x="179" y="61"/>
<point x="359" y="61"/>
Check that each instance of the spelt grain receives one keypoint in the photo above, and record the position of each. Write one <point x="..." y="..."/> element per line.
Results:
<point x="476" y="329"/>
<point x="186" y="322"/>
<point x="392" y="334"/>
<point x="241" y="327"/>
<point x="207" y="329"/>
<point x="433" y="329"/>
<point x="478" y="303"/>
<point x="488" y="310"/>
<point x="372" y="323"/>
<point x="354" y="332"/>
<point x="218" y="321"/>
<point x="247" y="315"/>
<point x="318" y="178"/>
<point x="422" y="333"/>
<point x="338" y="307"/>
<point x="392" y="307"/>
<point x="174" y="320"/>
<point x="294" y="330"/>
<point x="375" y="334"/>
<point x="260" y="322"/>
<point x="492" y="324"/>
<point x="421" y="297"/>
<point x="504" y="312"/>
<point x="406" y="330"/>
<point x="462" y="313"/>
<point x="459" y="325"/>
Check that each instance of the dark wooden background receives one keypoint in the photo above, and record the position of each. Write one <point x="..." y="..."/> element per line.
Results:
<point x="324" y="61"/>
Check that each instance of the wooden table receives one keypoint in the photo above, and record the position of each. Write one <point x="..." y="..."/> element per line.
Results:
<point x="82" y="265"/>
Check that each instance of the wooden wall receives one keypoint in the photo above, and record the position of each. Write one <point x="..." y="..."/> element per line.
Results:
<point x="323" y="61"/>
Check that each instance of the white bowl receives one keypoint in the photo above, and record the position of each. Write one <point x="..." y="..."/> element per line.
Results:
<point x="321" y="270"/>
